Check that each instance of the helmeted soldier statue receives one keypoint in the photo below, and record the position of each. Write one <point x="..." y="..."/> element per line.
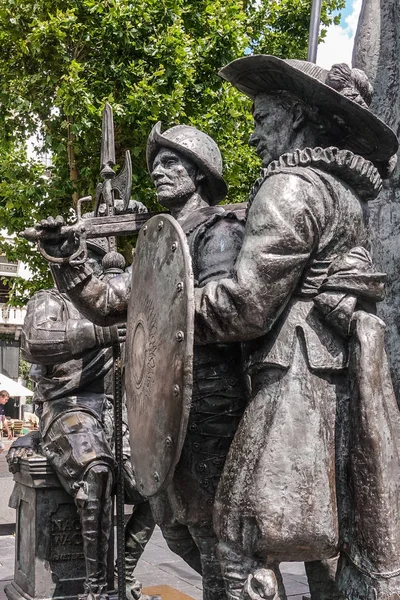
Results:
<point x="219" y="397"/>
<point x="73" y="374"/>
<point x="186" y="167"/>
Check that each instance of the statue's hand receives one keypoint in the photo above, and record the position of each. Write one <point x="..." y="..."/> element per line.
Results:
<point x="134" y="206"/>
<point x="137" y="207"/>
<point x="55" y="243"/>
<point x="108" y="336"/>
<point x="121" y="333"/>
<point x="23" y="447"/>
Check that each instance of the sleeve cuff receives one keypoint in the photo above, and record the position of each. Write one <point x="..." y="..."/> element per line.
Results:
<point x="67" y="277"/>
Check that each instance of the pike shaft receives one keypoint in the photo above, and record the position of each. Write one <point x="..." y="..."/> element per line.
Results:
<point x="314" y="30"/>
<point x="120" y="472"/>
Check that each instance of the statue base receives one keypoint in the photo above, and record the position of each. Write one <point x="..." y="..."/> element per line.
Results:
<point x="49" y="559"/>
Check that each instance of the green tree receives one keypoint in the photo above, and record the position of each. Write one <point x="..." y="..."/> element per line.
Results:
<point x="61" y="60"/>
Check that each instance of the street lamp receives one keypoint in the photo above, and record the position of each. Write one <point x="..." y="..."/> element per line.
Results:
<point x="314" y="30"/>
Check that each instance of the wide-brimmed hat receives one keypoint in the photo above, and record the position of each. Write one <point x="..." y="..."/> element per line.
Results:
<point x="195" y="145"/>
<point x="342" y="92"/>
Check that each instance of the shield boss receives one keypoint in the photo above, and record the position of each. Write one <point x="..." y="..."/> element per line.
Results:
<point x="159" y="351"/>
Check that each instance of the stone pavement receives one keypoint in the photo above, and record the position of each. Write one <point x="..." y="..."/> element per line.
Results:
<point x="7" y="515"/>
<point x="157" y="567"/>
<point x="160" y="567"/>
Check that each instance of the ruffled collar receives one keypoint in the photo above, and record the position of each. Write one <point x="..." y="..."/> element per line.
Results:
<point x="355" y="170"/>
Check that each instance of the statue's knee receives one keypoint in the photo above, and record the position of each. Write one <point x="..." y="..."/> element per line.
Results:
<point x="96" y="484"/>
<point x="97" y="471"/>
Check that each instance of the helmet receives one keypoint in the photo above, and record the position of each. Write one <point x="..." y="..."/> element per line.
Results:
<point x="195" y="145"/>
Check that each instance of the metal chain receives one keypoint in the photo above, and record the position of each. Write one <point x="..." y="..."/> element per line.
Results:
<point x="120" y="498"/>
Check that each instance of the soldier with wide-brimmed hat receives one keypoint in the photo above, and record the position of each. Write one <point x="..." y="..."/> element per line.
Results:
<point x="294" y="484"/>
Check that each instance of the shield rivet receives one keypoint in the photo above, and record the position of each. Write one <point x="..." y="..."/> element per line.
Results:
<point x="160" y="225"/>
<point x="168" y="442"/>
<point x="179" y="286"/>
<point x="174" y="246"/>
<point x="156" y="476"/>
<point x="144" y="229"/>
<point x="176" y="390"/>
<point x="180" y="336"/>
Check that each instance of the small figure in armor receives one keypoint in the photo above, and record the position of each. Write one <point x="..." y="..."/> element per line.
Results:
<point x="73" y="374"/>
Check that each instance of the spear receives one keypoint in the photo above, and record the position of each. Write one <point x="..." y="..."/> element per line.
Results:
<point x="314" y="30"/>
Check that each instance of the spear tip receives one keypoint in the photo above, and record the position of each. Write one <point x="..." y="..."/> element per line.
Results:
<point x="107" y="156"/>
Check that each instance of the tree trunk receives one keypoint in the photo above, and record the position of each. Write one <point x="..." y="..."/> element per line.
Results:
<point x="377" y="52"/>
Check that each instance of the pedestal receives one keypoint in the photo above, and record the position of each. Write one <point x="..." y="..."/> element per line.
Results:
<point x="49" y="559"/>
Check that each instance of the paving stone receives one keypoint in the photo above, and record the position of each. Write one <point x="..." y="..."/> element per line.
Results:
<point x="168" y="593"/>
<point x="3" y="584"/>
<point x="293" y="587"/>
<point x="159" y="566"/>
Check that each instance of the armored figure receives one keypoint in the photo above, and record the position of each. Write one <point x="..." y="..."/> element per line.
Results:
<point x="186" y="167"/>
<point x="308" y="473"/>
<point x="218" y="400"/>
<point x="73" y="369"/>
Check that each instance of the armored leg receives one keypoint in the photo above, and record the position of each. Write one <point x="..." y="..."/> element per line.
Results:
<point x="181" y="542"/>
<point x="93" y="501"/>
<point x="138" y="532"/>
<point x="321" y="575"/>
<point x="207" y="542"/>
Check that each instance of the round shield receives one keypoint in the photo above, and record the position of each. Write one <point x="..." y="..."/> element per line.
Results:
<point x="159" y="351"/>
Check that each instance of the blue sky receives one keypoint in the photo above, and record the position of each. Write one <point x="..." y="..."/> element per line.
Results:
<point x="348" y="10"/>
<point x="338" y="45"/>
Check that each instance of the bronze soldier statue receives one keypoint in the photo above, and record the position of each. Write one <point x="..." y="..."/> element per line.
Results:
<point x="218" y="400"/>
<point x="186" y="167"/>
<point x="310" y="470"/>
<point x="73" y="372"/>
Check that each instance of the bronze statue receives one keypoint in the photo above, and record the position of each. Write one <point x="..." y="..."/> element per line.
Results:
<point x="310" y="470"/>
<point x="219" y="397"/>
<point x="303" y="282"/>
<point x="186" y="167"/>
<point x="73" y="374"/>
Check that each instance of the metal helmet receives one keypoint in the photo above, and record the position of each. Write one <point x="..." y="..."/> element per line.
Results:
<point x="195" y="145"/>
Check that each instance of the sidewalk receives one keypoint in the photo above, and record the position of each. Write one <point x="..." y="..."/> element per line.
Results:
<point x="160" y="567"/>
<point x="7" y="515"/>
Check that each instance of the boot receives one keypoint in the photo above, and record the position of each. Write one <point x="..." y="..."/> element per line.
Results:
<point x="133" y="588"/>
<point x="93" y="501"/>
<point x="138" y="531"/>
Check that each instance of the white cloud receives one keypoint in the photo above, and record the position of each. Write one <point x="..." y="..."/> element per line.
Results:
<point x="339" y="41"/>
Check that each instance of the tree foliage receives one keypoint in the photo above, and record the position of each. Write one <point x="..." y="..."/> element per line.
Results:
<point x="61" y="60"/>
